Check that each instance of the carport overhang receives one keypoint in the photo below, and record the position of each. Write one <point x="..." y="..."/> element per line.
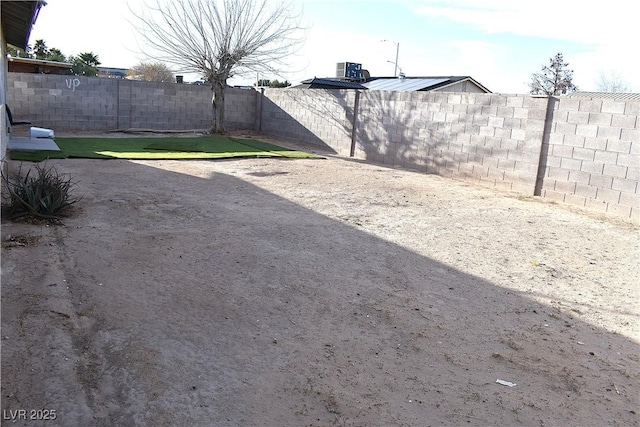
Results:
<point x="18" y="18"/>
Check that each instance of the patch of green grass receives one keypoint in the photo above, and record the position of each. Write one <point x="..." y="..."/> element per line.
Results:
<point x="181" y="147"/>
<point x="203" y="147"/>
<point x="275" y="149"/>
<point x="36" y="156"/>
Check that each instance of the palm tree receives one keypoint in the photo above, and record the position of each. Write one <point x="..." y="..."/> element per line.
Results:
<point x="85" y="64"/>
<point x="40" y="49"/>
<point x="56" y="55"/>
<point x="89" y="58"/>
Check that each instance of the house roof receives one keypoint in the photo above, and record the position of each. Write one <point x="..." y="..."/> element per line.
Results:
<point x="326" y="83"/>
<point x="410" y="84"/>
<point x="112" y="71"/>
<point x="17" y="19"/>
<point x="618" y="96"/>
<point x="406" y="84"/>
<point x="31" y="65"/>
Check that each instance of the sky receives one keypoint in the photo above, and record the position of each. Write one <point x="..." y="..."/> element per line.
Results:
<point x="499" y="43"/>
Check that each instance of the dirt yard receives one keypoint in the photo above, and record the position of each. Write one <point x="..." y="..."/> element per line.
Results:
<point x="266" y="292"/>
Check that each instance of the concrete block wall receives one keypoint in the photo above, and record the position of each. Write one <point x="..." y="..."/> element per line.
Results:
<point x="240" y="108"/>
<point x="593" y="155"/>
<point x="63" y="102"/>
<point x="584" y="152"/>
<point x="490" y="139"/>
<point x="156" y="105"/>
<point x="73" y="103"/>
<point x="318" y="117"/>
<point x="579" y="151"/>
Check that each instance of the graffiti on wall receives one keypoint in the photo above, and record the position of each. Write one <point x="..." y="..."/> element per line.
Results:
<point x="73" y="84"/>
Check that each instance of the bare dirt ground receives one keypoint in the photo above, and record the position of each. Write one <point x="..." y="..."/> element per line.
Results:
<point x="269" y="292"/>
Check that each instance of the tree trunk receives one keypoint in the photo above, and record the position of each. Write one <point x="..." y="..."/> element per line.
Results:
<point x="217" y="125"/>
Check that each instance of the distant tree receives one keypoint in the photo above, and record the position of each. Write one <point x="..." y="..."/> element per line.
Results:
<point x="18" y="53"/>
<point x="612" y="82"/>
<point x="56" y="55"/>
<point x="553" y="79"/>
<point x="39" y="51"/>
<point x="273" y="83"/>
<point x="151" y="72"/>
<point x="276" y="83"/>
<point x="85" y="64"/>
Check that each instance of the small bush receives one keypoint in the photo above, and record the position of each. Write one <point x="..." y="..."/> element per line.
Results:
<point x="42" y="193"/>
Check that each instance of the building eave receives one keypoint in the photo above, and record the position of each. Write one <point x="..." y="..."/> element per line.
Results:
<point x="18" y="17"/>
<point x="32" y="61"/>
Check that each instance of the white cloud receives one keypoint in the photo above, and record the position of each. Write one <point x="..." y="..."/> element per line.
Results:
<point x="604" y="29"/>
<point x="584" y="22"/>
<point x="603" y="33"/>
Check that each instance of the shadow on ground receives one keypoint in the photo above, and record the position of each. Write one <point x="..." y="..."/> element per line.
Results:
<point x="175" y="299"/>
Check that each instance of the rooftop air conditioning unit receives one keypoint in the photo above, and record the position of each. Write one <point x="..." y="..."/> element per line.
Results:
<point x="349" y="70"/>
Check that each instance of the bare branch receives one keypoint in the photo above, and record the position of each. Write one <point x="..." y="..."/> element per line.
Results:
<point x="220" y="38"/>
<point x="612" y="82"/>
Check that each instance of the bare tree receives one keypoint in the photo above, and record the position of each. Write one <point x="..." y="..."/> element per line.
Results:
<point x="151" y="72"/>
<point x="553" y="79"/>
<point x="220" y="38"/>
<point x="612" y="82"/>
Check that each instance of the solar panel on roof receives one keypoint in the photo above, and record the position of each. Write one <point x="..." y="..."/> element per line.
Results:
<point x="403" y="85"/>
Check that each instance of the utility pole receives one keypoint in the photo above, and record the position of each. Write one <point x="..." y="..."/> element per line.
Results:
<point x="395" y="71"/>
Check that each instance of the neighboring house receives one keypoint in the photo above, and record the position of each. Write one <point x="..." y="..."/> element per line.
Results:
<point x="113" y="73"/>
<point x="403" y="84"/>
<point x="17" y="19"/>
<point x="41" y="66"/>
<point x="617" y="96"/>
<point x="327" y="83"/>
<point x="426" y="84"/>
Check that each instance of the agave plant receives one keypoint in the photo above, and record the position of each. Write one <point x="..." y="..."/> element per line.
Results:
<point x="42" y="192"/>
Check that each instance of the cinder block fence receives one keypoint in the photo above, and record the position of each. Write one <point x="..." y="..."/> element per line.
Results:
<point x="584" y="152"/>
<point x="580" y="151"/>
<point x="73" y="103"/>
<point x="592" y="156"/>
